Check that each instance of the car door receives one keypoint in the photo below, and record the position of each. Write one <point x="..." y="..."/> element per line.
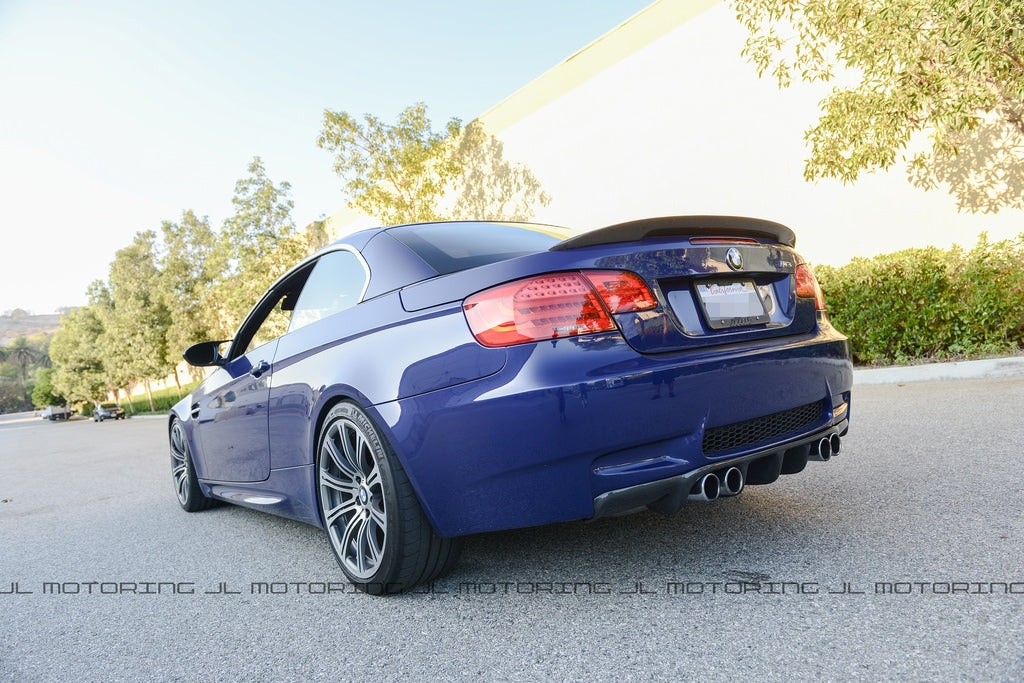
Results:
<point x="336" y="283"/>
<point x="233" y="415"/>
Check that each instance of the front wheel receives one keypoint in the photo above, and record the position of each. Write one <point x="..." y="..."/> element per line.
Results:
<point x="376" y="527"/>
<point x="183" y="472"/>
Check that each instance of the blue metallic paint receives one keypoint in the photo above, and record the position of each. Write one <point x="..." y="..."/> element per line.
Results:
<point x="502" y="438"/>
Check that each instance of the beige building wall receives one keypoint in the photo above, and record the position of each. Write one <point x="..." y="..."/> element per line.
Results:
<point x="663" y="116"/>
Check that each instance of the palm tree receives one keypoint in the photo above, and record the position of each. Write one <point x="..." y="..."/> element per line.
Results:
<point x="23" y="354"/>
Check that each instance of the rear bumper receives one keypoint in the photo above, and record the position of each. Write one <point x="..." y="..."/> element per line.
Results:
<point x="583" y="427"/>
<point x="668" y="495"/>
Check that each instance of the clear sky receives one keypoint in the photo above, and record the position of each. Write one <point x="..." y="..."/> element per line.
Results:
<point x="116" y="115"/>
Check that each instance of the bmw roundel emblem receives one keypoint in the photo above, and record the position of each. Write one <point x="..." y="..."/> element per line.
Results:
<point x="734" y="259"/>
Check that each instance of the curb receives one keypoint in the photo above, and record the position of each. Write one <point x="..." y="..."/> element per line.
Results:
<point x="995" y="368"/>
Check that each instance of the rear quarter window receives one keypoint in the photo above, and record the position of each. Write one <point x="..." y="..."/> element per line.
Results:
<point x="450" y="247"/>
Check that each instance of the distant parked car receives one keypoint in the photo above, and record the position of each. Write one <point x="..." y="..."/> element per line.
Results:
<point x="55" y="413"/>
<point x="107" y="411"/>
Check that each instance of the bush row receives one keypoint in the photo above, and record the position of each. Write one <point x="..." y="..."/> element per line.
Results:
<point x="163" y="400"/>
<point x="930" y="303"/>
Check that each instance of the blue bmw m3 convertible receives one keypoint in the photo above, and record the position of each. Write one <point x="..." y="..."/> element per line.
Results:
<point x="407" y="386"/>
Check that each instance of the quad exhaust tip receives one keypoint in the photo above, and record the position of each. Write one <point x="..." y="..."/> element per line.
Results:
<point x="827" y="447"/>
<point x="731" y="482"/>
<point x="707" y="488"/>
<point x="712" y="486"/>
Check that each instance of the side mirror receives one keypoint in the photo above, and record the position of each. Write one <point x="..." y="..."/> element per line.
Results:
<point x="204" y="354"/>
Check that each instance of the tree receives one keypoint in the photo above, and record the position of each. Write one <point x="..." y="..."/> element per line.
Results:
<point x="262" y="218"/>
<point x="79" y="373"/>
<point x="408" y="173"/>
<point x="134" y="342"/>
<point x="185" y="279"/>
<point x="23" y="354"/>
<point x="12" y="397"/>
<point x="44" y="394"/>
<point x="953" y="69"/>
<point x="255" y="247"/>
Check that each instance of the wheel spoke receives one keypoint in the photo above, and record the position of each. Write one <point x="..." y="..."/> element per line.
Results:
<point x="378" y="516"/>
<point x="345" y="488"/>
<point x="176" y="445"/>
<point x="373" y="481"/>
<point x="338" y="458"/>
<point x="331" y="516"/>
<point x="352" y="450"/>
<point x="352" y="542"/>
<point x="362" y="545"/>
<point x="373" y="545"/>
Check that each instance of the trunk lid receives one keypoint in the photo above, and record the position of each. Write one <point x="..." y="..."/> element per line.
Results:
<point x="719" y="280"/>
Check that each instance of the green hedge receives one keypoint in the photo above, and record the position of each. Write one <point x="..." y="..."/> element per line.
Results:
<point x="163" y="400"/>
<point x="930" y="303"/>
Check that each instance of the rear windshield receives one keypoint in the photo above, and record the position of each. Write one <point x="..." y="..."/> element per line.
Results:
<point x="450" y="247"/>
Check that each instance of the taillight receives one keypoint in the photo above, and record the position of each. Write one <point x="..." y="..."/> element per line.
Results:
<point x="554" y="306"/>
<point x="807" y="286"/>
<point x="621" y="292"/>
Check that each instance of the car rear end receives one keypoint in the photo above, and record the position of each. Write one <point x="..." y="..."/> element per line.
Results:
<point x="647" y="364"/>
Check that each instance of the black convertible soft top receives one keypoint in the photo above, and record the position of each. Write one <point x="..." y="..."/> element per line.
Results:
<point x="682" y="226"/>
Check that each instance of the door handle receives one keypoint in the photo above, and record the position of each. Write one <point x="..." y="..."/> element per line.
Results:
<point x="259" y="368"/>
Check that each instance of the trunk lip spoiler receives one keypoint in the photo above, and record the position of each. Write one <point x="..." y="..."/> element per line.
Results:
<point x="681" y="226"/>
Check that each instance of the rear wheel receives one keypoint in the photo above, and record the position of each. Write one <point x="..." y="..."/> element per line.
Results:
<point x="183" y="472"/>
<point x="374" y="521"/>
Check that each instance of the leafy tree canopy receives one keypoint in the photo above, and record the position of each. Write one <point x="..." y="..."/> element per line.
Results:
<point x="952" y="69"/>
<point x="255" y="246"/>
<point x="406" y="172"/>
<point x="44" y="394"/>
<point x="78" y="357"/>
<point x="173" y="287"/>
<point x="185" y="279"/>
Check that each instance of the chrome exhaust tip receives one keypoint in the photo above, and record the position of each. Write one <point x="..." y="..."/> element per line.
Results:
<point x="824" y="449"/>
<point x="835" y="443"/>
<point x="706" y="489"/>
<point x="731" y="482"/>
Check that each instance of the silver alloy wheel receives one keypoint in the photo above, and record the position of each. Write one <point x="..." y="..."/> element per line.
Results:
<point x="180" y="456"/>
<point x="352" y="498"/>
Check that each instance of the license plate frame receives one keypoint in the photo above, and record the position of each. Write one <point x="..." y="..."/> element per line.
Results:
<point x="729" y="304"/>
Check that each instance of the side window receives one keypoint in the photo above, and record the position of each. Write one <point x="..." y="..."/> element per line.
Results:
<point x="272" y="327"/>
<point x="337" y="282"/>
<point x="271" y="316"/>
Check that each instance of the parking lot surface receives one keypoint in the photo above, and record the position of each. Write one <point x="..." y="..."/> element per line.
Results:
<point x="900" y="558"/>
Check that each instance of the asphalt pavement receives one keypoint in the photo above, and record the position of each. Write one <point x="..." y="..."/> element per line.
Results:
<point x="901" y="558"/>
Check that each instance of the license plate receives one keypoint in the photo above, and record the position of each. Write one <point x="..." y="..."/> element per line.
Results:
<point x="732" y="304"/>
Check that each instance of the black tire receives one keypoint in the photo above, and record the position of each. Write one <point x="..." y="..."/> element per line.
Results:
<point x="183" y="472"/>
<point x="373" y="519"/>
